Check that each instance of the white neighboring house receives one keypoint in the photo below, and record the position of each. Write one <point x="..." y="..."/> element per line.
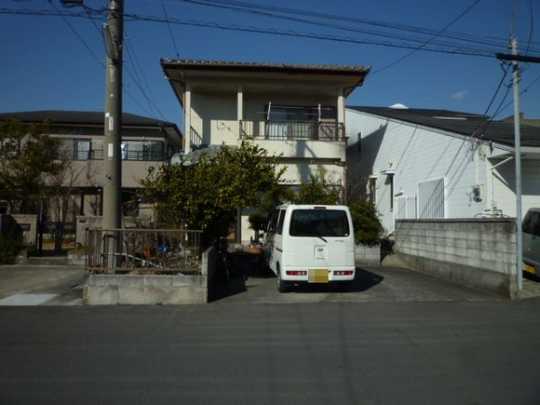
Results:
<point x="296" y="112"/>
<point x="422" y="163"/>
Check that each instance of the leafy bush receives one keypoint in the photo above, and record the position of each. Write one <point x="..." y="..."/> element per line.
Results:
<point x="317" y="191"/>
<point x="367" y="227"/>
<point x="11" y="239"/>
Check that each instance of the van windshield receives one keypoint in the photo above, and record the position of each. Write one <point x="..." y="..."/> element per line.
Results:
<point x="319" y="222"/>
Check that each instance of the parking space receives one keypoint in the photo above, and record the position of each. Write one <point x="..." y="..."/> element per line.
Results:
<point x="372" y="284"/>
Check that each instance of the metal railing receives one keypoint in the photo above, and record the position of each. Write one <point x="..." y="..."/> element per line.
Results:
<point x="195" y="138"/>
<point x="160" y="251"/>
<point x="294" y="130"/>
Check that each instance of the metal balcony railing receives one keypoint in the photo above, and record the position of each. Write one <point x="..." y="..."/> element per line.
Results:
<point x="195" y="138"/>
<point x="293" y="130"/>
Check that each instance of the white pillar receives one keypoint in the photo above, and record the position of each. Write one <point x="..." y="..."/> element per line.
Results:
<point x="239" y="104"/>
<point x="341" y="108"/>
<point x="187" y="120"/>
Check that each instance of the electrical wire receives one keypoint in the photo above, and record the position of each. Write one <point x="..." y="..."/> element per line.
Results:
<point x="304" y="20"/>
<point x="269" y="31"/>
<point x="413" y="51"/>
<point x="486" y="40"/>
<point x="170" y="30"/>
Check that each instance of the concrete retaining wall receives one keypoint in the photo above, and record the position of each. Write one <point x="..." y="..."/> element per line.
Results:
<point x="370" y="255"/>
<point x="478" y="253"/>
<point x="133" y="289"/>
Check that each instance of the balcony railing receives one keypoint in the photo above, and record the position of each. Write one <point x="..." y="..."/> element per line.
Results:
<point x="293" y="130"/>
<point x="195" y="138"/>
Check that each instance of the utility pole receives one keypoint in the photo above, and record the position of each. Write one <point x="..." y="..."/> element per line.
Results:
<point x="514" y="57"/>
<point x="517" y="152"/>
<point x="112" y="189"/>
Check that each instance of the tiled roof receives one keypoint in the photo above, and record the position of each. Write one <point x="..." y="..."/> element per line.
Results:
<point x="459" y="122"/>
<point x="215" y="64"/>
<point x="82" y="117"/>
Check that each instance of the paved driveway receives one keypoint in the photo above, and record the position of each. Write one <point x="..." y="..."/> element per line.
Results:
<point x="372" y="284"/>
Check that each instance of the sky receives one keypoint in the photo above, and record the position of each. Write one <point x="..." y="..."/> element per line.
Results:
<point x="45" y="66"/>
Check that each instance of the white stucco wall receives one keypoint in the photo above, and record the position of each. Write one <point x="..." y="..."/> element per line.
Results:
<point x="214" y="116"/>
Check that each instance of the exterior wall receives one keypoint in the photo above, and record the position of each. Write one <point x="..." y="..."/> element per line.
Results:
<point x="214" y="117"/>
<point x="504" y="186"/>
<point x="474" y="252"/>
<point x="415" y="154"/>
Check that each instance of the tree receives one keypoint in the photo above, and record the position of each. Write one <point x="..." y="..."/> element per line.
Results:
<point x="28" y="157"/>
<point x="206" y="195"/>
<point x="367" y="226"/>
<point x="317" y="191"/>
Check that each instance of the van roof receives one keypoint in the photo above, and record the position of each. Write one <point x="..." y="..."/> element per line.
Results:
<point x="312" y="206"/>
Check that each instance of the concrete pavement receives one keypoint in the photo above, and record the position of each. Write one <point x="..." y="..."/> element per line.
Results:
<point x="372" y="284"/>
<point x="330" y="353"/>
<point x="33" y="284"/>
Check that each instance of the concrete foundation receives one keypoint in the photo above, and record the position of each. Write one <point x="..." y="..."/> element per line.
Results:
<point x="111" y="289"/>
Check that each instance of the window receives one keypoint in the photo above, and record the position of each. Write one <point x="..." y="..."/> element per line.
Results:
<point x="143" y="150"/>
<point x="372" y="190"/>
<point x="279" y="229"/>
<point x="81" y="149"/>
<point x="300" y="113"/>
<point x="319" y="222"/>
<point x="272" y="223"/>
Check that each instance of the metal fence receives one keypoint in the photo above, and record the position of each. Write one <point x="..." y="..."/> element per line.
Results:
<point x="143" y="250"/>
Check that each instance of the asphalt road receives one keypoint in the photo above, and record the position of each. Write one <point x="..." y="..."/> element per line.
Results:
<point x="230" y="353"/>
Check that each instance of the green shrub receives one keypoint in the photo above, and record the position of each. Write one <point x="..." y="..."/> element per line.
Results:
<point x="11" y="240"/>
<point x="367" y="227"/>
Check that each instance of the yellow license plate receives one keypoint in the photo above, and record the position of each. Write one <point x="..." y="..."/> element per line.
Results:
<point x="318" y="276"/>
<point x="529" y="269"/>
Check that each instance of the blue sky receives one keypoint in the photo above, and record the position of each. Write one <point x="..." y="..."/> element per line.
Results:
<point x="45" y="66"/>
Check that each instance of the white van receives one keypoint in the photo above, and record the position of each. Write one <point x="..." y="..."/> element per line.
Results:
<point x="310" y="244"/>
<point x="531" y="241"/>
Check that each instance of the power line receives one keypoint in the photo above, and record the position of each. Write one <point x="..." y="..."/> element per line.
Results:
<point x="413" y="51"/>
<point x="341" y="27"/>
<point x="170" y="30"/>
<point x="486" y="40"/>
<point x="88" y="48"/>
<point x="269" y="31"/>
<point x="310" y="35"/>
<point x="531" y="26"/>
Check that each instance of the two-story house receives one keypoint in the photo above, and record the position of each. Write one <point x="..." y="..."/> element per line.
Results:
<point x="296" y="112"/>
<point x="146" y="142"/>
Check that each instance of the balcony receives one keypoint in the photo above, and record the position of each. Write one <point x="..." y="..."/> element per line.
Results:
<point x="293" y="130"/>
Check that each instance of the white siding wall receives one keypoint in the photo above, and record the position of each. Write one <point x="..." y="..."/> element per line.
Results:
<point x="415" y="154"/>
<point x="504" y="186"/>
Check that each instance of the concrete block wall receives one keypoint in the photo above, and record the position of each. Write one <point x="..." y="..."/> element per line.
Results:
<point x="475" y="252"/>
<point x="29" y="225"/>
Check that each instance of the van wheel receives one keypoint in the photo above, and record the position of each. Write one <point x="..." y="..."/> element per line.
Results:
<point x="282" y="286"/>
